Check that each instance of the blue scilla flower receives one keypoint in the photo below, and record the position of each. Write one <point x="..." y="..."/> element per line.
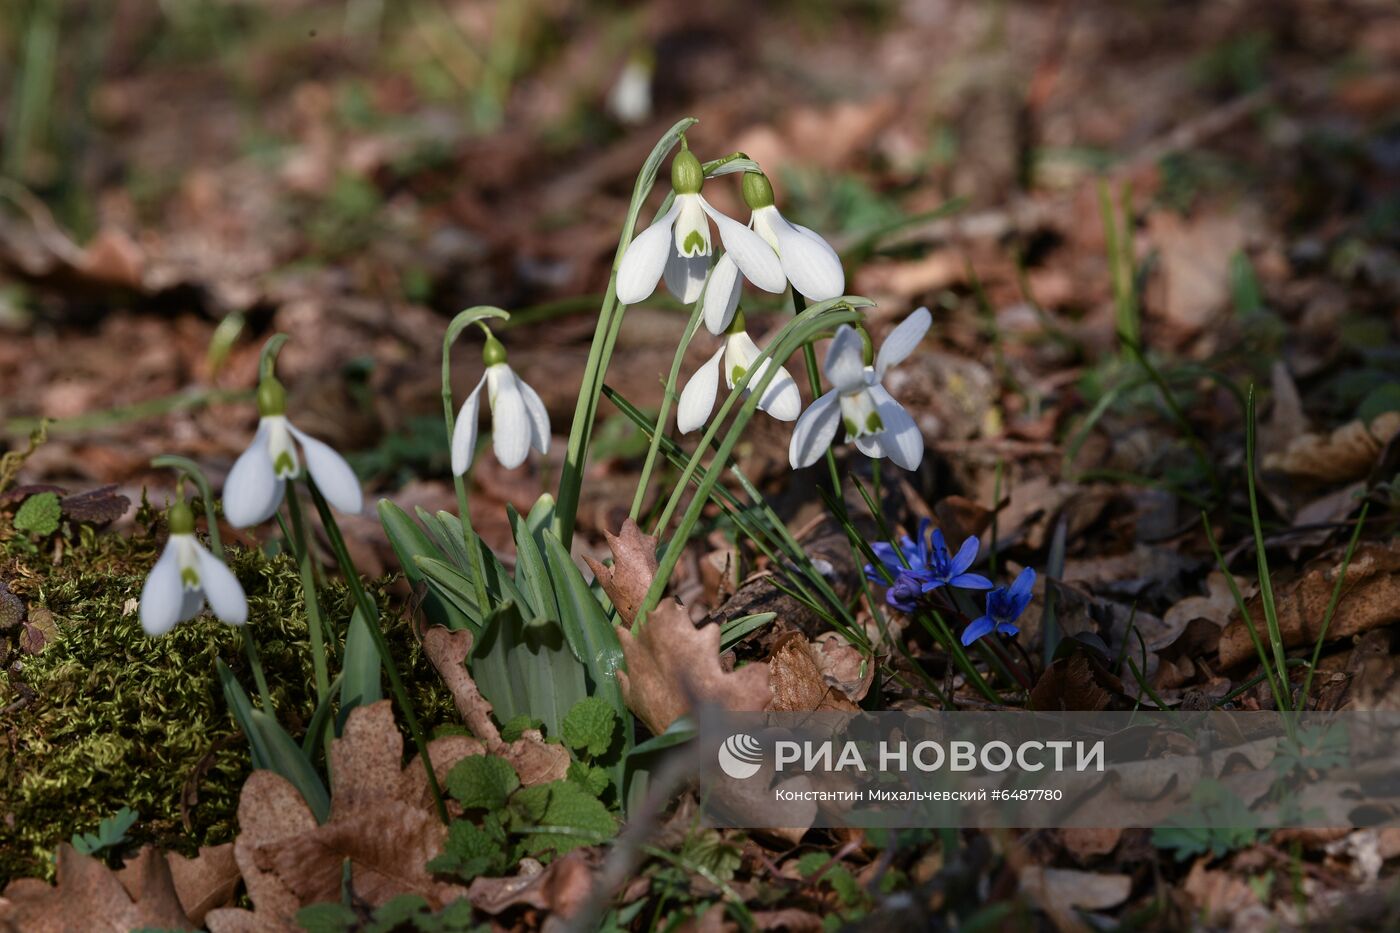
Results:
<point x="905" y="565"/>
<point x="944" y="569"/>
<point x="1004" y="606"/>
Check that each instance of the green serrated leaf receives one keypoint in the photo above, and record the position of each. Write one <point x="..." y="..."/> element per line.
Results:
<point x="559" y="817"/>
<point x="591" y="778"/>
<point x="326" y="918"/>
<point x="590" y="726"/>
<point x="39" y="515"/>
<point x="472" y="850"/>
<point x="482" y="782"/>
<point x="517" y="726"/>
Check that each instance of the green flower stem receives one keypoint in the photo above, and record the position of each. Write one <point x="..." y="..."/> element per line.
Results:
<point x="314" y="624"/>
<point x="1332" y="603"/>
<point x="604" y="338"/>
<point x="668" y="396"/>
<point x="1266" y="586"/>
<point x="267" y="359"/>
<point x="201" y="482"/>
<point x="800" y="329"/>
<point x="470" y="538"/>
<point x="371" y="614"/>
<point x="1275" y="684"/>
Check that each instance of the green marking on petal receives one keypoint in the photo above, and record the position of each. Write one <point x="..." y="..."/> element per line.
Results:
<point x="694" y="244"/>
<point x="736" y="374"/>
<point x="284" y="465"/>
<point x="873" y="424"/>
<point x="850" y="426"/>
<point x="189" y="578"/>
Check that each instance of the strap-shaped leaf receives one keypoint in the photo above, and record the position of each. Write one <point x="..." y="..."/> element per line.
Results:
<point x="531" y="574"/>
<point x="288" y="760"/>
<point x="527" y="667"/>
<point x="360" y="678"/>
<point x="410" y="542"/>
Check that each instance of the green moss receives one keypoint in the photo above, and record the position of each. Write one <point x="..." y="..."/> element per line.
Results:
<point x="115" y="719"/>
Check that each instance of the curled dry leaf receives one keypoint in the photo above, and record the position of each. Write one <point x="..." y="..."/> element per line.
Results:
<point x="1370" y="599"/>
<point x="845" y="667"/>
<point x="796" y="681"/>
<point x="205" y="882"/>
<point x="560" y="889"/>
<point x="1346" y="454"/>
<point x="671" y="664"/>
<point x="1221" y="897"/>
<point x="90" y="896"/>
<point x="1060" y="892"/>
<point x="378" y="822"/>
<point x="1075" y="683"/>
<point x="633" y="568"/>
<point x="534" y="760"/>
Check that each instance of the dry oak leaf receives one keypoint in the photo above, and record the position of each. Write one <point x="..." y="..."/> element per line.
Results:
<point x="1370" y="599"/>
<point x="205" y="882"/>
<point x="633" y="568"/>
<point x="1346" y="454"/>
<point x="671" y="664"/>
<point x="91" y="897"/>
<point x="561" y="888"/>
<point x="378" y="821"/>
<point x="796" y="682"/>
<point x="1060" y="892"/>
<point x="535" y="760"/>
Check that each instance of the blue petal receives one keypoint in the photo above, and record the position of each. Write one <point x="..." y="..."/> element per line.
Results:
<point x="939" y="545"/>
<point x="1006" y="628"/>
<point x="966" y="556"/>
<point x="1025" y="582"/>
<point x="976" y="630"/>
<point x="970" y="581"/>
<point x="932" y="585"/>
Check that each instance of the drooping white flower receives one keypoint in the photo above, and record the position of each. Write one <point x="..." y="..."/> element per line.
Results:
<point x="518" y="417"/>
<point x="858" y="401"/>
<point x="185" y="575"/>
<point x="678" y="245"/>
<point x="808" y="261"/>
<point x="257" y="482"/>
<point x="780" y="400"/>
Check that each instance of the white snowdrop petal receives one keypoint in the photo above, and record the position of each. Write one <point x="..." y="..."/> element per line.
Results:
<point x="722" y="294"/>
<point x="642" y="264"/>
<point x="845" y="360"/>
<point x="221" y="588"/>
<point x="809" y="262"/>
<point x="815" y="431"/>
<point x="903" y="340"/>
<point x="539" y="416"/>
<point x="685" y="276"/>
<point x="252" y="491"/>
<point x="191" y="605"/>
<point x="754" y="257"/>
<point x="464" y="431"/>
<point x="698" y="397"/>
<point x="901" y="440"/>
<point x="782" y="399"/>
<point x="869" y="444"/>
<point x="332" y="475"/>
<point x="510" y="422"/>
<point x="162" y="594"/>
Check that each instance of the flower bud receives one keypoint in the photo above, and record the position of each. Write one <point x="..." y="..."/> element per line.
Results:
<point x="687" y="177"/>
<point x="758" y="190"/>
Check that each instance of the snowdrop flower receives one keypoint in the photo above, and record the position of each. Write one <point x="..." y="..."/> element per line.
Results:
<point x="257" y="482"/>
<point x="1004" y="606"/>
<point x="858" y="401"/>
<point x="184" y="577"/>
<point x="808" y="261"/>
<point x="518" y="418"/>
<point x="678" y="246"/>
<point x="781" y="400"/>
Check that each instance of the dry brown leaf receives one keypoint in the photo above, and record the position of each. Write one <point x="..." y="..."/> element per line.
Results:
<point x="1346" y="454"/>
<point x="1370" y="599"/>
<point x="1195" y="264"/>
<point x="534" y="760"/>
<point x="845" y="667"/>
<point x="1219" y="895"/>
<point x="672" y="663"/>
<point x="561" y="888"/>
<point x="378" y="821"/>
<point x="790" y="919"/>
<point x="1086" y="843"/>
<point x="1073" y="683"/>
<point x="91" y="897"/>
<point x="1061" y="891"/>
<point x="796" y="680"/>
<point x="205" y="882"/>
<point x="633" y="568"/>
<point x="1216" y="606"/>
